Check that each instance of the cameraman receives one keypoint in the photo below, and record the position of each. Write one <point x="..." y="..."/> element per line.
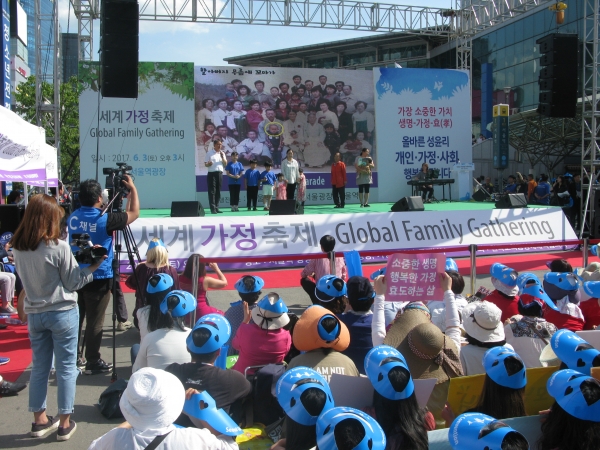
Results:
<point x="93" y="298"/>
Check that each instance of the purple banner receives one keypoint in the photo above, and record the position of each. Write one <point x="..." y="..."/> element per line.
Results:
<point x="26" y="176"/>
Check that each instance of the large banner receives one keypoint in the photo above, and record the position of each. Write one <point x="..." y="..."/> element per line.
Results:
<point x="316" y="113"/>
<point x="242" y="237"/>
<point x="153" y="133"/>
<point x="423" y="117"/>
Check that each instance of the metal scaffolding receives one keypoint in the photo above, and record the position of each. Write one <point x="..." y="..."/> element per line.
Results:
<point x="85" y="11"/>
<point x="590" y="132"/>
<point x="48" y="106"/>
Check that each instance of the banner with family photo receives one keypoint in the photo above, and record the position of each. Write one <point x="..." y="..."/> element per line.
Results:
<point x="424" y="122"/>
<point x="260" y="113"/>
<point x="154" y="134"/>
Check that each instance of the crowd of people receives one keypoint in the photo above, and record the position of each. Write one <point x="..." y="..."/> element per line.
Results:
<point x="182" y="395"/>
<point x="314" y="120"/>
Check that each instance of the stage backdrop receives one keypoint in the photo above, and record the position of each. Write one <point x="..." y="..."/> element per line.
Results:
<point x="219" y="83"/>
<point x="153" y="133"/>
<point x="423" y="116"/>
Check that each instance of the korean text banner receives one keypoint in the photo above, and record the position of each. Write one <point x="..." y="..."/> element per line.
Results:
<point x="154" y="134"/>
<point x="315" y="113"/>
<point x="299" y="235"/>
<point x="422" y="116"/>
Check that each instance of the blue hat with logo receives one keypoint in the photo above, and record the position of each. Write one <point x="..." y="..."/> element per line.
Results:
<point x="179" y="303"/>
<point x="160" y="282"/>
<point x="504" y="274"/>
<point x="529" y="284"/>
<point x="594" y="249"/>
<point x="526" y="278"/>
<point x="592" y="288"/>
<point x="494" y="364"/>
<point x="565" y="387"/>
<point x="220" y="332"/>
<point x="575" y="352"/>
<point x="290" y="387"/>
<point x="377" y="273"/>
<point x="567" y="281"/>
<point x="241" y="287"/>
<point x="325" y="289"/>
<point x="476" y="431"/>
<point x="202" y="406"/>
<point x="155" y="243"/>
<point x="451" y="265"/>
<point x="270" y="313"/>
<point x="374" y="436"/>
<point x="378" y="363"/>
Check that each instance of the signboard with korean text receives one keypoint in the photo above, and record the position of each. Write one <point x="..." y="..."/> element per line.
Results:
<point x="423" y="116"/>
<point x="294" y="236"/>
<point x="317" y="113"/>
<point x="154" y="134"/>
<point x="414" y="277"/>
<point x="5" y="24"/>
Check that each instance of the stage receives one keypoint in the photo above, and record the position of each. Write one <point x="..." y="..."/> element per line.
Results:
<point x="352" y="208"/>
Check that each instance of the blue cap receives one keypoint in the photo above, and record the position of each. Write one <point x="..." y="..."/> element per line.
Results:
<point x="290" y="387"/>
<point x="326" y="291"/>
<point x="202" y="406"/>
<point x="567" y="281"/>
<point x="451" y="265"/>
<point x="374" y="436"/>
<point x="155" y="243"/>
<point x="220" y="330"/>
<point x="592" y="288"/>
<point x="504" y="274"/>
<point x="494" y="364"/>
<point x="377" y="273"/>
<point x="270" y="312"/>
<point x="378" y="363"/>
<point x="179" y="303"/>
<point x="594" y="249"/>
<point x="535" y="290"/>
<point x="272" y="303"/>
<point x="575" y="352"/>
<point x="159" y="283"/>
<point x="525" y="278"/>
<point x="475" y="431"/>
<point x="258" y="285"/>
<point x="565" y="387"/>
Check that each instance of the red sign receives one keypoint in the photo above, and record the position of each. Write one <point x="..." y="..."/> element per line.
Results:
<point x="414" y="277"/>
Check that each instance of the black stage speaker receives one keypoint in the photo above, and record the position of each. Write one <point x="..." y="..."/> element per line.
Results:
<point x="480" y="196"/>
<point x="409" y="204"/>
<point x="282" y="207"/>
<point x="186" y="209"/>
<point x="119" y="45"/>
<point x="10" y="218"/>
<point x="508" y="201"/>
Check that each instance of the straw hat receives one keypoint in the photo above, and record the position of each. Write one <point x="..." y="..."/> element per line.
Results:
<point x="483" y="321"/>
<point x="403" y="324"/>
<point x="591" y="272"/>
<point x="310" y="334"/>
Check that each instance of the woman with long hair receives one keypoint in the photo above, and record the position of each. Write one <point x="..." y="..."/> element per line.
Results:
<point x="157" y="261"/>
<point x="50" y="276"/>
<point x="405" y="424"/>
<point x="331" y="293"/>
<point x="573" y="422"/>
<point x="204" y="284"/>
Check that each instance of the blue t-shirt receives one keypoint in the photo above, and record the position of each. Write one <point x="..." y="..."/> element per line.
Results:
<point x="252" y="177"/>
<point x="270" y="178"/>
<point x="510" y="188"/>
<point x="234" y="168"/>
<point x="541" y="190"/>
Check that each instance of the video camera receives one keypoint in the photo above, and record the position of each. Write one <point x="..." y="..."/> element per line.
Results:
<point x="87" y="254"/>
<point x="115" y="185"/>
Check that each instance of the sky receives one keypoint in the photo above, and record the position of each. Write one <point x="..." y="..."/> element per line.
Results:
<point x="207" y="44"/>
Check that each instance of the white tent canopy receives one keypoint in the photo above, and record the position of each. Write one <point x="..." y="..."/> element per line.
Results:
<point x="24" y="154"/>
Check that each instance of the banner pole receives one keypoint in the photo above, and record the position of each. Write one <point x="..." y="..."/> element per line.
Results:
<point x="473" y="260"/>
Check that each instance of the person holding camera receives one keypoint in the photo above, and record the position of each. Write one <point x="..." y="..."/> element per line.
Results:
<point x="94" y="297"/>
<point x="50" y="276"/>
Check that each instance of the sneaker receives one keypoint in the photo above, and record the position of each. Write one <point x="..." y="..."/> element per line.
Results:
<point x="250" y="209"/>
<point x="4" y="360"/>
<point x="366" y="205"/>
<point x="361" y="205"/>
<point x="97" y="367"/>
<point x="65" y="433"/>
<point x="8" y="389"/>
<point x="42" y="430"/>
<point x="8" y="309"/>
<point x="81" y="362"/>
<point x="253" y="209"/>
<point x="124" y="326"/>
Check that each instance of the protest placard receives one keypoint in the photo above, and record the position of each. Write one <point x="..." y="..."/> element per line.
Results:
<point x="414" y="277"/>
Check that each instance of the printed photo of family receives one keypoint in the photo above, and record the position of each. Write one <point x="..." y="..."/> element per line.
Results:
<point x="262" y="113"/>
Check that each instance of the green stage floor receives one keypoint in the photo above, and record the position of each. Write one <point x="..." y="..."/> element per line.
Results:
<point x="329" y="209"/>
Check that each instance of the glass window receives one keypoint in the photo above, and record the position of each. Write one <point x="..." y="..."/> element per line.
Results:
<point x="518" y="74"/>
<point x="518" y="30"/>
<point x="529" y="47"/>
<point x="500" y="59"/>
<point x="501" y="38"/>
<point x="358" y="58"/>
<point x="500" y="80"/>
<point x="492" y="41"/>
<point x="539" y="25"/>
<point x="528" y="27"/>
<point x="509" y="35"/>
<point x="510" y="55"/>
<point x="518" y="49"/>
<point x="528" y="72"/>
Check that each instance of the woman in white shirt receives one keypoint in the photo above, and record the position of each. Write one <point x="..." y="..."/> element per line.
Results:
<point x="166" y="344"/>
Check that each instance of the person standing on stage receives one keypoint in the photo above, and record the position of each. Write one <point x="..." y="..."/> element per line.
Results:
<point x="252" y="179"/>
<point x="338" y="181"/>
<point x="215" y="161"/>
<point x="289" y="169"/>
<point x="234" y="171"/>
<point x="364" y="178"/>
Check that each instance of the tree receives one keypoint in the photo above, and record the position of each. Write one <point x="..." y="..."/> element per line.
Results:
<point x="69" y="120"/>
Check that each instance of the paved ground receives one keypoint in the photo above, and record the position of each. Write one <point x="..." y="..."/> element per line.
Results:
<point x="15" y="420"/>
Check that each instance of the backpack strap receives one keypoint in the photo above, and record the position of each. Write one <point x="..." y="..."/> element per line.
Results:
<point x="157" y="441"/>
